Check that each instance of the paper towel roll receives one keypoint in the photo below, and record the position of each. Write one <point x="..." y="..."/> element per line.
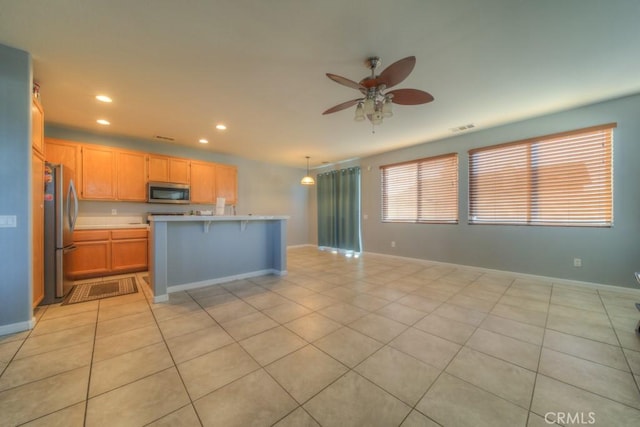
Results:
<point x="220" y="206"/>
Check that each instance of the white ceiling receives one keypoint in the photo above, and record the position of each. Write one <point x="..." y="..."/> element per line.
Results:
<point x="176" y="68"/>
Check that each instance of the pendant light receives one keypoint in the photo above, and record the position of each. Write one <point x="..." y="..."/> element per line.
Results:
<point x="308" y="179"/>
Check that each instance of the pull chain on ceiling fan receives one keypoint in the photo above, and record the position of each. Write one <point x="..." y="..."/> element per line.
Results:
<point x="376" y="103"/>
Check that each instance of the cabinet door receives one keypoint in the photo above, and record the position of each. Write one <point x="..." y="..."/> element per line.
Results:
<point x="89" y="259"/>
<point x="227" y="183"/>
<point x="132" y="176"/>
<point x="168" y="169"/>
<point x="158" y="168"/>
<point x="66" y="153"/>
<point x="128" y="255"/>
<point x="37" y="126"/>
<point x="98" y="173"/>
<point x="37" y="180"/>
<point x="179" y="170"/>
<point x="203" y="182"/>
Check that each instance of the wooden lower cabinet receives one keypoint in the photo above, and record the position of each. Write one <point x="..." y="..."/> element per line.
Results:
<point x="90" y="259"/>
<point x="128" y="250"/>
<point x="107" y="252"/>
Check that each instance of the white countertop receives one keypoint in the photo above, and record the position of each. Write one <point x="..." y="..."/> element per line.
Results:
<point x="187" y="218"/>
<point x="109" y="222"/>
<point x="109" y="226"/>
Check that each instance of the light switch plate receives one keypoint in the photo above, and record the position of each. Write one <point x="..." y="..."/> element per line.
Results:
<point x="8" y="221"/>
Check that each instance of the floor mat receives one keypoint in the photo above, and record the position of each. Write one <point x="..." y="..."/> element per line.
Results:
<point x="98" y="290"/>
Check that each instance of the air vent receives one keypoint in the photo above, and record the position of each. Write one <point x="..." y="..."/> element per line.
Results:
<point x="164" y="138"/>
<point x="463" y="128"/>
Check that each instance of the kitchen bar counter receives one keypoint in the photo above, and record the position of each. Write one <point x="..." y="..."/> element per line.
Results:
<point x="190" y="251"/>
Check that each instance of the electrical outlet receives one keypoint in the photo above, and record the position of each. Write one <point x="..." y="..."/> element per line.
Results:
<point x="365" y="217"/>
<point x="393" y="243"/>
<point x="114" y="211"/>
<point x="577" y="262"/>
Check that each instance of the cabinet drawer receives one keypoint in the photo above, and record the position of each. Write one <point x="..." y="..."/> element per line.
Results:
<point x="90" y="235"/>
<point x="138" y="233"/>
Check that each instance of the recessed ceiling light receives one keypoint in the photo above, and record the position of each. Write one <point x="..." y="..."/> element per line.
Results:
<point x="203" y="141"/>
<point x="103" y="98"/>
<point x="103" y="122"/>
<point x="221" y="127"/>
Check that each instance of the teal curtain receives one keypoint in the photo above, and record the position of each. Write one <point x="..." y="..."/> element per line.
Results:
<point x="339" y="209"/>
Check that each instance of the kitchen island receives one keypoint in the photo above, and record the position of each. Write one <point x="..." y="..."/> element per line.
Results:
<point x="188" y="252"/>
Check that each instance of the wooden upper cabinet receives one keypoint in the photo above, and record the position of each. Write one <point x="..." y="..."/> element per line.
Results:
<point x="168" y="169"/>
<point x="203" y="182"/>
<point x="64" y="152"/>
<point x="37" y="206"/>
<point x="227" y="183"/>
<point x="158" y="168"/>
<point x="131" y="176"/>
<point x="107" y="173"/>
<point x="37" y="126"/>
<point x="179" y="170"/>
<point x="98" y="173"/>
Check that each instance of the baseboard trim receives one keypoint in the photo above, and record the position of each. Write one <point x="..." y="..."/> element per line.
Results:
<point x="160" y="298"/>
<point x="203" y="283"/>
<point x="303" y="245"/>
<point x="17" y="327"/>
<point x="555" y="280"/>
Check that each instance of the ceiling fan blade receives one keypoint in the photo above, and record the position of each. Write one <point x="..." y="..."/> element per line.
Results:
<point x="343" y="106"/>
<point x="397" y="72"/>
<point x="345" y="81"/>
<point x="410" y="96"/>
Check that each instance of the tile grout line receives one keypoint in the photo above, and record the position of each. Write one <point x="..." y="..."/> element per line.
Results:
<point x="93" y="349"/>
<point x="414" y="408"/>
<point x="260" y="367"/>
<point x="175" y="365"/>
<point x="535" y="379"/>
<point x="633" y="377"/>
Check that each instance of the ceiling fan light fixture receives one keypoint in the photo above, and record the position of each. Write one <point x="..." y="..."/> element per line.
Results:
<point x="376" y="104"/>
<point x="307" y="179"/>
<point x="387" y="110"/>
<point x="369" y="106"/>
<point x="359" y="113"/>
<point x="376" y="118"/>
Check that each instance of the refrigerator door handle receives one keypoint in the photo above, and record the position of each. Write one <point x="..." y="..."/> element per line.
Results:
<point x="72" y="194"/>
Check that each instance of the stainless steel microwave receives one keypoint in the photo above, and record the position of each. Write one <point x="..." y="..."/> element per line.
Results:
<point x="165" y="192"/>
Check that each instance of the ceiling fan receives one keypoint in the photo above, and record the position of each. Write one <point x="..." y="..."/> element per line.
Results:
<point x="375" y="104"/>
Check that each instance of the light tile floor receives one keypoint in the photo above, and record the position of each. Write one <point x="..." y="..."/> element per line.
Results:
<point x="373" y="341"/>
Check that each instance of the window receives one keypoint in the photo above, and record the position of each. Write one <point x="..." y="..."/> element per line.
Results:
<point x="562" y="179"/>
<point x="424" y="190"/>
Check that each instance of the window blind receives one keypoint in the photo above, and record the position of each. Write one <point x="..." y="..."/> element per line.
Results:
<point x="561" y="179"/>
<point x="421" y="191"/>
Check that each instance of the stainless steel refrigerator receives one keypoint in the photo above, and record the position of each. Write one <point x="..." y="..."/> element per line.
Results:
<point x="60" y="215"/>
